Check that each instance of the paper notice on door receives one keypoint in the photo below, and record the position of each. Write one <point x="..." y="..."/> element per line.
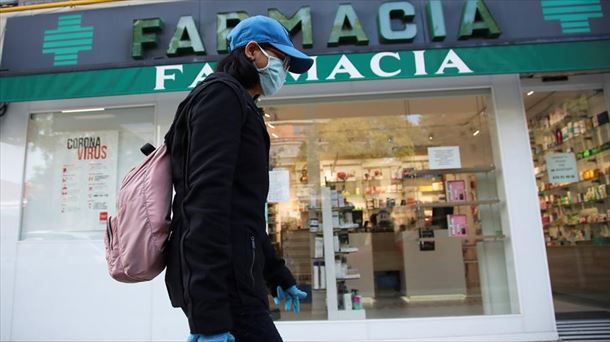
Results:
<point x="444" y="157"/>
<point x="561" y="167"/>
<point x="279" y="186"/>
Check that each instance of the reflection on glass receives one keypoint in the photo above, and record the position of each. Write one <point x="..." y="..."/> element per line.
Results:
<point x="393" y="208"/>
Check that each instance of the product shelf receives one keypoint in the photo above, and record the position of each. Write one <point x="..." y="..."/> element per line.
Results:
<point x="453" y="204"/>
<point x="572" y="205"/>
<point x="430" y="172"/>
<point x="568" y="142"/>
<point x="349" y="277"/>
<point x="567" y="119"/>
<point x="472" y="237"/>
<point x="575" y="224"/>
<point x="350" y="250"/>
<point x="573" y="184"/>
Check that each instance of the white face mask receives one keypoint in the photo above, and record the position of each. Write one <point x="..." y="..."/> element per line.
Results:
<point x="273" y="75"/>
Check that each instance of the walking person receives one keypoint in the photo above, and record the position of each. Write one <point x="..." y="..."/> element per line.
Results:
<point x="220" y="261"/>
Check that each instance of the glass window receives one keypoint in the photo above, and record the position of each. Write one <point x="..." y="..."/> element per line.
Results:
<point x="74" y="164"/>
<point x="570" y="138"/>
<point x="392" y="207"/>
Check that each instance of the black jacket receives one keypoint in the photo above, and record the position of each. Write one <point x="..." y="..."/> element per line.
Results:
<point x="220" y="260"/>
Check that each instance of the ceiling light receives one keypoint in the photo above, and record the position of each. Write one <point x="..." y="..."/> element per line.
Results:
<point x="530" y="92"/>
<point x="275" y="135"/>
<point x="267" y="115"/>
<point x="270" y="125"/>
<point x="83" y="110"/>
<point x="475" y="133"/>
<point x="430" y="137"/>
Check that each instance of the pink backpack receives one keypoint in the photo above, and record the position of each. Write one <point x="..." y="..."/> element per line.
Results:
<point x="137" y="234"/>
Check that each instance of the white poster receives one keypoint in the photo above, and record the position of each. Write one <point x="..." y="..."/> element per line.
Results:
<point x="444" y="157"/>
<point x="279" y="186"/>
<point x="86" y="178"/>
<point x="561" y="167"/>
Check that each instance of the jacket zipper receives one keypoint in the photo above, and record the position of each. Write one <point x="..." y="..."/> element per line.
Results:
<point x="186" y="282"/>
<point x="253" y="259"/>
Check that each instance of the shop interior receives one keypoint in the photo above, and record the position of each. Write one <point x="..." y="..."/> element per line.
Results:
<point x="416" y="230"/>
<point x="570" y="139"/>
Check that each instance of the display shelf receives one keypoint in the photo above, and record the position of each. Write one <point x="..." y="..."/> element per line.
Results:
<point x="573" y="184"/>
<point x="575" y="224"/>
<point x="472" y="237"/>
<point x="453" y="204"/>
<point x="587" y="138"/>
<point x="586" y="135"/>
<point x="349" y="277"/>
<point x="328" y="233"/>
<point x="592" y="158"/>
<point x="431" y="172"/>
<point x="314" y="209"/>
<point x="571" y="205"/>
<point x="566" y="120"/>
<point x="351" y="250"/>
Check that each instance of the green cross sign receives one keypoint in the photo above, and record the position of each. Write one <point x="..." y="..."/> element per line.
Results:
<point x="573" y="15"/>
<point x="67" y="40"/>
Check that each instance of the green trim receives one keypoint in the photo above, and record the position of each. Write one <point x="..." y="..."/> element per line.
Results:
<point x="64" y="43"/>
<point x="69" y="17"/>
<point x="66" y="36"/>
<point x="67" y="62"/>
<point x="551" y="3"/>
<point x="70" y="22"/>
<point x="573" y="17"/>
<point x="574" y="9"/>
<point x="401" y="64"/>
<point x="573" y="24"/>
<point x="66" y="56"/>
<point x="69" y="29"/>
<point x="577" y="30"/>
<point x="68" y="50"/>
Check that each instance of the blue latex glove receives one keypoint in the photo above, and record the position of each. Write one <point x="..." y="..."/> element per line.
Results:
<point x="225" y="337"/>
<point x="293" y="298"/>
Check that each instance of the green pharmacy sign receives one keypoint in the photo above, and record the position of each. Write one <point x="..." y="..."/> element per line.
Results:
<point x="67" y="40"/>
<point x="367" y="66"/>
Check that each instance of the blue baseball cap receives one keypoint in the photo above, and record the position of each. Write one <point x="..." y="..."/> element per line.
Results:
<point x="262" y="29"/>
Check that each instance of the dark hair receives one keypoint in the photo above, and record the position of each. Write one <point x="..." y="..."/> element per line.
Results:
<point x="239" y="66"/>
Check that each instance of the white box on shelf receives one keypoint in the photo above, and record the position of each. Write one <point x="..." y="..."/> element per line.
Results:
<point x="316" y="276"/>
<point x="322" y="276"/>
<point x="319" y="247"/>
<point x="335" y="219"/>
<point x="347" y="301"/>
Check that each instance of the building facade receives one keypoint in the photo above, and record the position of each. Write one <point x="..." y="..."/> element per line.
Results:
<point x="439" y="174"/>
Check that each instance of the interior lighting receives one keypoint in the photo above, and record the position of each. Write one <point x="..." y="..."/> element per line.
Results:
<point x="275" y="135"/>
<point x="475" y="133"/>
<point x="270" y="125"/>
<point x="83" y="110"/>
<point x="530" y="92"/>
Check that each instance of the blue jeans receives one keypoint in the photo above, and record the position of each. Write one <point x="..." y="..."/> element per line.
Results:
<point x="254" y="326"/>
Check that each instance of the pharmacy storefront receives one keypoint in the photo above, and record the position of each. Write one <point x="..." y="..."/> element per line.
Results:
<point x="440" y="173"/>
